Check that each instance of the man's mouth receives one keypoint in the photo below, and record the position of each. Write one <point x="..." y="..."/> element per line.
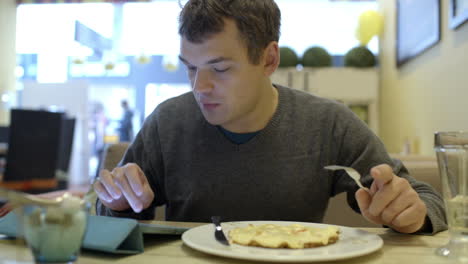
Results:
<point x="209" y="106"/>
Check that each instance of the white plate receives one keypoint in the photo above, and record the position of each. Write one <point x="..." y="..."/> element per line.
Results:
<point x="352" y="243"/>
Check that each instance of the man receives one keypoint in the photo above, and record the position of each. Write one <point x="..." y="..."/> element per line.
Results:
<point x="126" y="126"/>
<point x="242" y="148"/>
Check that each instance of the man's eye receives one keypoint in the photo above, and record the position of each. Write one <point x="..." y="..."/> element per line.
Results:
<point x="221" y="70"/>
<point x="191" y="69"/>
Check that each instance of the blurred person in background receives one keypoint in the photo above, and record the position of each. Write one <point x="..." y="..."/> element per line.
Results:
<point x="99" y="122"/>
<point x="126" y="126"/>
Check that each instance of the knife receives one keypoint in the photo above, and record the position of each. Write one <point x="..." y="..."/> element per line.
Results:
<point x="219" y="235"/>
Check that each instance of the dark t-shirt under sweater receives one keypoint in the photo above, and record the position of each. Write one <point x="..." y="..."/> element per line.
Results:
<point x="197" y="172"/>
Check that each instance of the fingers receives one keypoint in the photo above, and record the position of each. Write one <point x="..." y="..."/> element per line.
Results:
<point x="392" y="202"/>
<point x="384" y="196"/>
<point x="395" y="208"/>
<point x="102" y="192"/>
<point x="124" y="187"/>
<point x="122" y="182"/>
<point x="107" y="179"/>
<point x="136" y="178"/>
<point x="382" y="174"/>
<point x="139" y="184"/>
<point x="364" y="200"/>
<point x="373" y="189"/>
<point x="411" y="219"/>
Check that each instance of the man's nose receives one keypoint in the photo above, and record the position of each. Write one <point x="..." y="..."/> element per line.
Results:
<point x="202" y="82"/>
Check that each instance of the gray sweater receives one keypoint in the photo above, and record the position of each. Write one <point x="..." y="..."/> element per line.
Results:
<point x="278" y="175"/>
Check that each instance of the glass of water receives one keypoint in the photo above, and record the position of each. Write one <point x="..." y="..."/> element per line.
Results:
<point x="452" y="157"/>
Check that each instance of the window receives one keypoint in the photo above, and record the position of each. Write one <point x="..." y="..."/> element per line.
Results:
<point x="150" y="28"/>
<point x="332" y="25"/>
<point x="158" y="93"/>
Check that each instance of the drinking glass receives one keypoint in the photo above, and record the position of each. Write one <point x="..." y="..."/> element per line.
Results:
<point x="54" y="234"/>
<point x="452" y="157"/>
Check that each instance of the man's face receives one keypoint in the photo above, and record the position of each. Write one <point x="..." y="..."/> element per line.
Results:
<point x="225" y="84"/>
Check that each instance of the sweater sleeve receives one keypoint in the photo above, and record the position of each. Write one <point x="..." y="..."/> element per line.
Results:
<point x="145" y="152"/>
<point x="358" y="147"/>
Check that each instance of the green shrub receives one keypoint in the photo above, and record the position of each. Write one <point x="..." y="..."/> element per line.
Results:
<point x="359" y="57"/>
<point x="316" y="57"/>
<point x="288" y="58"/>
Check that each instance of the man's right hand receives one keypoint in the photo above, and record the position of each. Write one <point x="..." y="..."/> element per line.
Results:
<point x="123" y="188"/>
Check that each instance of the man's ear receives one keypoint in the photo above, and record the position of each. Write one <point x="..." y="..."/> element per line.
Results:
<point x="271" y="58"/>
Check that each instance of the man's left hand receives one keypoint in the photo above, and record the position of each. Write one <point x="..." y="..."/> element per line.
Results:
<point x="392" y="201"/>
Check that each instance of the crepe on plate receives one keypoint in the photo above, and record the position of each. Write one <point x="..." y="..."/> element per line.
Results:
<point x="284" y="236"/>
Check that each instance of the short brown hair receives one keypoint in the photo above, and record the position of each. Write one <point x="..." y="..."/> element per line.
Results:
<point x="258" y="22"/>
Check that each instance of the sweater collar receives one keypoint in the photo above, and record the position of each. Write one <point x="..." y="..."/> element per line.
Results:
<point x="263" y="135"/>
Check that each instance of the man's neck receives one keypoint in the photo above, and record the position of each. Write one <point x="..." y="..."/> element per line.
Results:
<point x="261" y="115"/>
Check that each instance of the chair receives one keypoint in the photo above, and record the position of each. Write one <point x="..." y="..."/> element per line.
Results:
<point x="66" y="143"/>
<point x="110" y="158"/>
<point x="33" y="150"/>
<point x="4" y="134"/>
<point x="64" y="151"/>
<point x="112" y="155"/>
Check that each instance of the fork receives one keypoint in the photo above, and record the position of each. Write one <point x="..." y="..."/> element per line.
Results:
<point x="351" y="172"/>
